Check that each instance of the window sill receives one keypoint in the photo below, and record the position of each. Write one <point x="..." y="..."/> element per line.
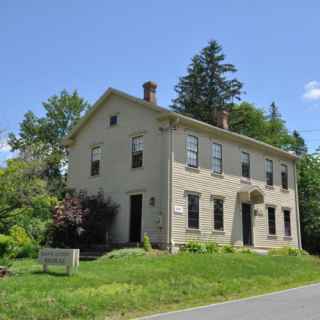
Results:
<point x="217" y="175"/>
<point x="219" y="232"/>
<point x="138" y="168"/>
<point x="191" y="230"/>
<point x="269" y="187"/>
<point x="196" y="170"/>
<point x="287" y="238"/>
<point x="95" y="176"/>
<point x="272" y="236"/>
<point x="285" y="190"/>
<point x="245" y="180"/>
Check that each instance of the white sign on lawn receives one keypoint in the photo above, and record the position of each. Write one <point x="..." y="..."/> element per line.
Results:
<point x="60" y="257"/>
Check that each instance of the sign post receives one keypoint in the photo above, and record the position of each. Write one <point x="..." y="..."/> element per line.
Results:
<point x="60" y="257"/>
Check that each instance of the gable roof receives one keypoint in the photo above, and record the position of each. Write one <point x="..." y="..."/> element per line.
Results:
<point x="165" y="114"/>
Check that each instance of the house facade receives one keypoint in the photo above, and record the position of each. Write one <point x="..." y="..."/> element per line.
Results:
<point x="178" y="179"/>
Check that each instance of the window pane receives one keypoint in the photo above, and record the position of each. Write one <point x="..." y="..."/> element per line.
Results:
<point x="193" y="211"/>
<point x="192" y="151"/>
<point x="218" y="214"/>
<point x="245" y="164"/>
<point x="113" y="120"/>
<point x="287" y="223"/>
<point x="95" y="161"/>
<point x="269" y="172"/>
<point x="272" y="220"/>
<point x="137" y="152"/>
<point x="284" y="176"/>
<point x="217" y="158"/>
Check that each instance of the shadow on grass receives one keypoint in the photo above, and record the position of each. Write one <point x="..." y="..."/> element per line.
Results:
<point x="50" y="273"/>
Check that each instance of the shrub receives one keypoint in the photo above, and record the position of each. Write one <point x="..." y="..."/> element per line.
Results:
<point x="82" y="219"/>
<point x="146" y="243"/>
<point x="245" y="251"/>
<point x="125" y="253"/>
<point x="195" y="247"/>
<point x="287" y="251"/>
<point x="19" y="236"/>
<point x="5" y="262"/>
<point x="212" y="247"/>
<point x="228" y="249"/>
<point x="29" y="250"/>
<point x="7" y="248"/>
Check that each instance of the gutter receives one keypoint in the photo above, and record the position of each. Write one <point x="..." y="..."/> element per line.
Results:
<point x="297" y="206"/>
<point x="169" y="238"/>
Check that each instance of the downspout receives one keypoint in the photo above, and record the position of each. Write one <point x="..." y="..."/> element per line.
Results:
<point x="297" y="206"/>
<point x="170" y="188"/>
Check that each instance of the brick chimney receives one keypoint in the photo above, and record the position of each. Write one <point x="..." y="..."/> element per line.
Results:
<point x="150" y="92"/>
<point x="223" y="119"/>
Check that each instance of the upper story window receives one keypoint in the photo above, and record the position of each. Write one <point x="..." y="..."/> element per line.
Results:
<point x="217" y="158"/>
<point x="287" y="223"/>
<point x="192" y="151"/>
<point x="284" y="176"/>
<point x="245" y="164"/>
<point x="272" y="220"/>
<point x="269" y="172"/>
<point x="218" y="214"/>
<point x="137" y="152"/>
<point x="113" y="120"/>
<point x="95" y="161"/>
<point x="193" y="211"/>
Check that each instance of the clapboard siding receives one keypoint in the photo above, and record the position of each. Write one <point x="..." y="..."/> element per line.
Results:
<point x="228" y="185"/>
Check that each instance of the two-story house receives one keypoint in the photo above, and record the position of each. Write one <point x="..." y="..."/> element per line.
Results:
<point x="179" y="179"/>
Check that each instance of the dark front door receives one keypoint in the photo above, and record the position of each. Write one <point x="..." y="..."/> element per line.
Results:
<point x="135" y="217"/>
<point x="247" y="224"/>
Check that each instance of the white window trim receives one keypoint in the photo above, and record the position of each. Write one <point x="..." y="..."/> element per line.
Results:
<point x="212" y="198"/>
<point x="186" y="194"/>
<point x="222" y="158"/>
<point x="275" y="220"/>
<point x="186" y="151"/>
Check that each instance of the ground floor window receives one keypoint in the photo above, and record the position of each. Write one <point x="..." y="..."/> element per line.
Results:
<point x="287" y="223"/>
<point x="272" y="220"/>
<point x="218" y="214"/>
<point x="193" y="211"/>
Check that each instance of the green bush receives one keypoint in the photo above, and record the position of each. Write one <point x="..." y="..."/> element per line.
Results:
<point x="201" y="247"/>
<point x="5" y="262"/>
<point x="19" y="236"/>
<point x="146" y="243"/>
<point x="7" y="247"/>
<point x="29" y="250"/>
<point x="287" y="251"/>
<point x="245" y="251"/>
<point x="125" y="253"/>
<point x="228" y="249"/>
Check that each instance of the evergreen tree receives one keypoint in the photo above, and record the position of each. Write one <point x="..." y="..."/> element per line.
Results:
<point x="298" y="145"/>
<point x="207" y="87"/>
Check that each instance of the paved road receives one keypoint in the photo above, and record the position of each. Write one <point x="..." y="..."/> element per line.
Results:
<point x="295" y="304"/>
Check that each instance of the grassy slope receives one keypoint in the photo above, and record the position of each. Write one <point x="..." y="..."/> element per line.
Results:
<point x="134" y="286"/>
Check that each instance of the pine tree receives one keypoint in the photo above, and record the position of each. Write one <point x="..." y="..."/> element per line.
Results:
<point x="207" y="87"/>
<point x="298" y="145"/>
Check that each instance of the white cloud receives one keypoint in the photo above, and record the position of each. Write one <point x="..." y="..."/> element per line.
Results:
<point x="312" y="91"/>
<point x="4" y="146"/>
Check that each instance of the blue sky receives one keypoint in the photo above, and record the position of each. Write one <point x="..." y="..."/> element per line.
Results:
<point x="46" y="46"/>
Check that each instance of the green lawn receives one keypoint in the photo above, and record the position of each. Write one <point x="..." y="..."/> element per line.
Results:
<point x="125" y="288"/>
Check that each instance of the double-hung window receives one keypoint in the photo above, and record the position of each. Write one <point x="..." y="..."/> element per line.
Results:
<point x="192" y="151"/>
<point x="272" y="220"/>
<point x="284" y="176"/>
<point x="269" y="172"/>
<point x="95" y="161"/>
<point x="218" y="214"/>
<point x="217" y="158"/>
<point x="137" y="152"/>
<point x="193" y="211"/>
<point x="245" y="164"/>
<point x="287" y="223"/>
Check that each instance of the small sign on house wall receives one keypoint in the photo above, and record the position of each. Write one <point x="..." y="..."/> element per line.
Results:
<point x="178" y="209"/>
<point x="59" y="257"/>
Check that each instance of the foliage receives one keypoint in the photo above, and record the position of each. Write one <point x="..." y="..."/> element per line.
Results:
<point x="6" y="246"/>
<point x="131" y="287"/>
<point x="201" y="247"/>
<point x="5" y="262"/>
<point x="309" y="201"/>
<point x="40" y="138"/>
<point x="287" y="251"/>
<point x="207" y="87"/>
<point x="19" y="236"/>
<point x="82" y="219"/>
<point x="125" y="253"/>
<point x="28" y="250"/>
<point x="245" y="250"/>
<point x="146" y="243"/>
<point x="228" y="249"/>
